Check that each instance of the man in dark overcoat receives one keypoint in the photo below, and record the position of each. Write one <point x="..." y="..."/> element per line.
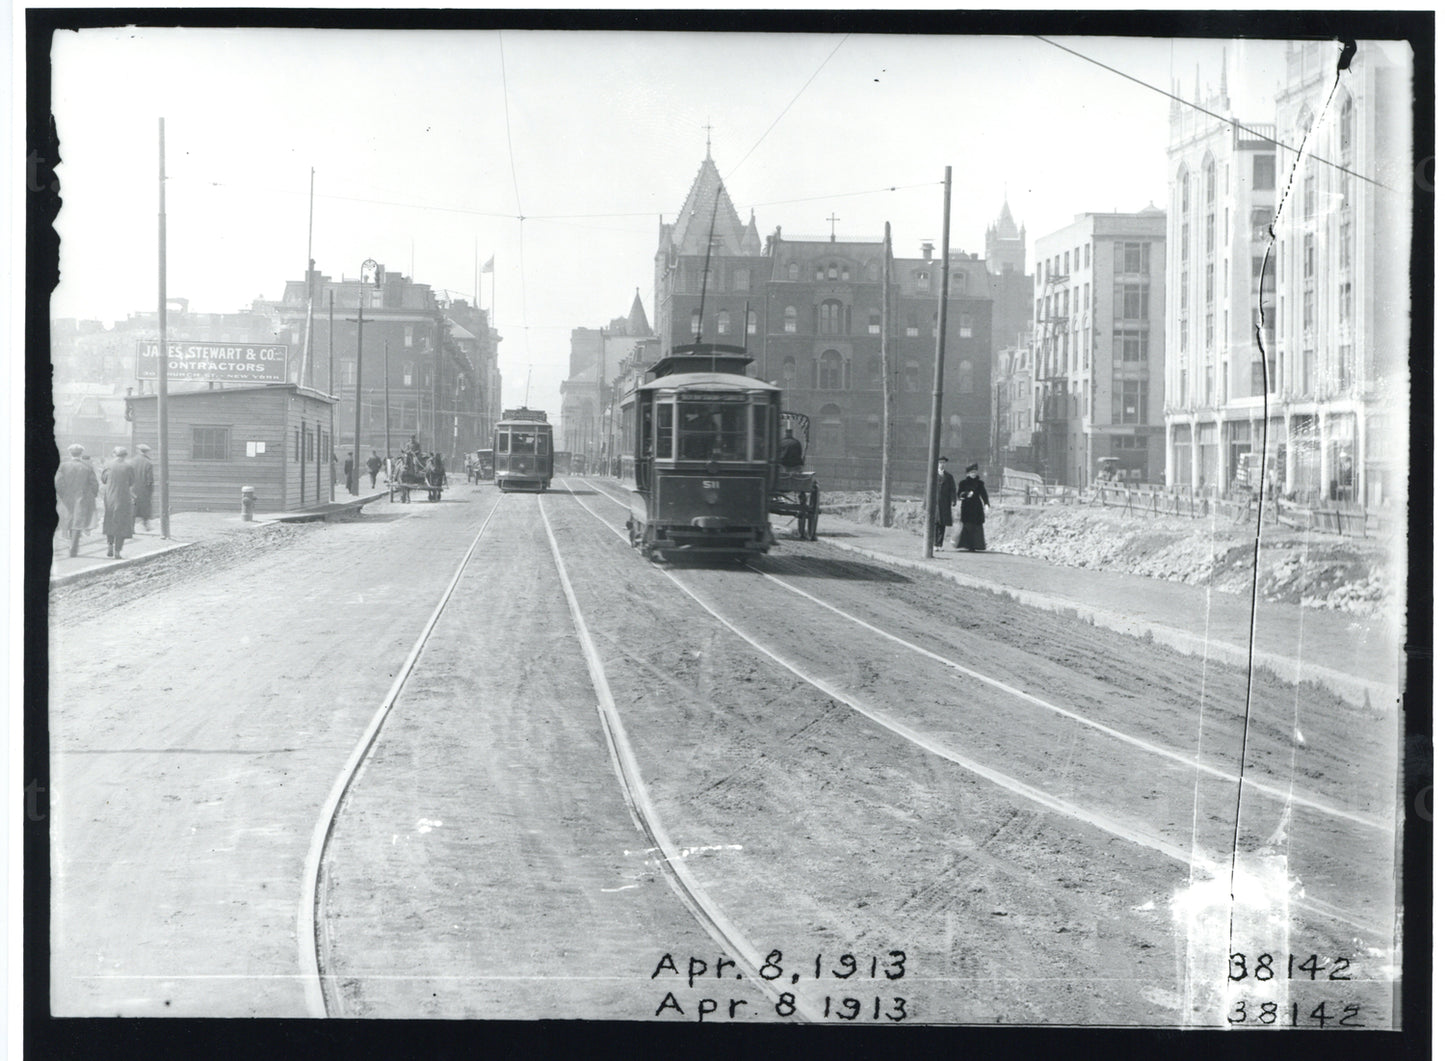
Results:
<point x="76" y="487"/>
<point x="943" y="506"/>
<point x="118" y="478"/>
<point x="973" y="499"/>
<point x="145" y="484"/>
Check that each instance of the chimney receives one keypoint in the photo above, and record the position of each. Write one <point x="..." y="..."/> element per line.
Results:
<point x="928" y="252"/>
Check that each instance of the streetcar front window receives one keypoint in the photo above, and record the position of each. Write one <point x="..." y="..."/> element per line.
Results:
<point x="713" y="430"/>
<point x="503" y="441"/>
<point x="524" y="442"/>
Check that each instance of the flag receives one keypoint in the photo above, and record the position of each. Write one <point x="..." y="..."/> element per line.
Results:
<point x="487" y="267"/>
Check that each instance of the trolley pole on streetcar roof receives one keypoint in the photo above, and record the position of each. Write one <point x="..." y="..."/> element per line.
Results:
<point x="935" y="418"/>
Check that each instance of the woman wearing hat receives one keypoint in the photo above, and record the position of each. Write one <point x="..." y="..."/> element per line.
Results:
<point x="973" y="499"/>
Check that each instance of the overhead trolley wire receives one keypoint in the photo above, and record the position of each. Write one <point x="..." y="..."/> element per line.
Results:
<point x="785" y="110"/>
<point x="1213" y="114"/>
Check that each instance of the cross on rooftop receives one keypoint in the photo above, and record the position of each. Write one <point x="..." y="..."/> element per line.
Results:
<point x="833" y="227"/>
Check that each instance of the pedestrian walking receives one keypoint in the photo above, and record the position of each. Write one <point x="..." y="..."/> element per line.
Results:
<point x="943" y="506"/>
<point x="145" y="484"/>
<point x="349" y="468"/>
<point x="118" y="478"/>
<point x="76" y="488"/>
<point x="373" y="465"/>
<point x="973" y="499"/>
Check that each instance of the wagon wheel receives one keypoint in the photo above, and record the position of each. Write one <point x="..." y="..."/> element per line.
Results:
<point x="812" y="509"/>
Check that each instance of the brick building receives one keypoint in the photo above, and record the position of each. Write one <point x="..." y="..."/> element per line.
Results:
<point x="1099" y="334"/>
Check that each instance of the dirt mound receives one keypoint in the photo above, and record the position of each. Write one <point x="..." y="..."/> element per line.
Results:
<point x="1363" y="577"/>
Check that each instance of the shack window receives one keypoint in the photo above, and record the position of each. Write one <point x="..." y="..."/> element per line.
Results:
<point x="210" y="443"/>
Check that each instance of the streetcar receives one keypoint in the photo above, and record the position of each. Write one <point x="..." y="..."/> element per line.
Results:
<point x="700" y="444"/>
<point x="522" y="450"/>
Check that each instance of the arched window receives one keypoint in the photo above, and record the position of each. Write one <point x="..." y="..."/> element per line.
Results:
<point x="955" y="432"/>
<point x="873" y="272"/>
<point x="965" y="377"/>
<point x="724" y="322"/>
<point x="830" y="430"/>
<point x="790" y="371"/>
<point x="875" y="372"/>
<point x="874" y="431"/>
<point x="1183" y="192"/>
<point x="695" y="324"/>
<point x="832" y="270"/>
<point x="830" y="317"/>
<point x="1347" y="127"/>
<point x="752" y="322"/>
<point x="922" y="280"/>
<point x="790" y="319"/>
<point x="1209" y="182"/>
<point x="740" y="280"/>
<point x="830" y="371"/>
<point x="792" y="270"/>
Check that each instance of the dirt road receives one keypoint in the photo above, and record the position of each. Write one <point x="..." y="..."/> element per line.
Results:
<point x="917" y="802"/>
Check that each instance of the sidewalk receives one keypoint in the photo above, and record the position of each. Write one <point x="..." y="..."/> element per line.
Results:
<point x="1356" y="658"/>
<point x="187" y="529"/>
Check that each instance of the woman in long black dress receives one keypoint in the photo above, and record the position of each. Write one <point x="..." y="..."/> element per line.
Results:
<point x="973" y="498"/>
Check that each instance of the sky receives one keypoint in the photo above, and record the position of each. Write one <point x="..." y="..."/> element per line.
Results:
<point x="429" y="146"/>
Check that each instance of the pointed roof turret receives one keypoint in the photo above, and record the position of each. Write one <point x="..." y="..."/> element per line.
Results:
<point x="689" y="235"/>
<point x="752" y="242"/>
<point x="637" y="319"/>
<point x="1005" y="227"/>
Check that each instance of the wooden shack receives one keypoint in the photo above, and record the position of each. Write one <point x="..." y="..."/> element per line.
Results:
<point x="275" y="437"/>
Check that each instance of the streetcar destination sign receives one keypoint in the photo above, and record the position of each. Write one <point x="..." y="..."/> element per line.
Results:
<point x="193" y="361"/>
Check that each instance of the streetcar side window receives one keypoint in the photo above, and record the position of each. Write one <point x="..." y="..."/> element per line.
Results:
<point x="664" y="430"/>
<point x="646" y="430"/>
<point x="503" y="442"/>
<point x="760" y="432"/>
<point x="542" y="442"/>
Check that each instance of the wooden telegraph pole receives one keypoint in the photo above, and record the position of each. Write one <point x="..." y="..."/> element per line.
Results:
<point x="356" y="447"/>
<point x="162" y="418"/>
<point x="887" y="377"/>
<point x="936" y="417"/>
<point x="331" y="390"/>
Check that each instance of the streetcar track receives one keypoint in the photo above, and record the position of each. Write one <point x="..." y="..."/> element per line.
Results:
<point x="1065" y="808"/>
<point x="716" y="923"/>
<point x="314" y="978"/>
<point x="1281" y="795"/>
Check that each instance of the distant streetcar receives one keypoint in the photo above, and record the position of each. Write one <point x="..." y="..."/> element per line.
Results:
<point x="699" y="443"/>
<point x="522" y="450"/>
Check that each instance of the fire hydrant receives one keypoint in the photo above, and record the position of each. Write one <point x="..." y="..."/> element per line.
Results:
<point x="248" y="502"/>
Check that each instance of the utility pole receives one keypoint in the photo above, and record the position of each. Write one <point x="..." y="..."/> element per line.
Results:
<point x="887" y="376"/>
<point x="331" y="388"/>
<point x="162" y="419"/>
<point x="354" y="485"/>
<point x="935" y="419"/>
<point x="307" y="373"/>
<point x="386" y="397"/>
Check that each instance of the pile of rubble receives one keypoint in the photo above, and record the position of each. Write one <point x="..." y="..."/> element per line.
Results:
<point x="1316" y="570"/>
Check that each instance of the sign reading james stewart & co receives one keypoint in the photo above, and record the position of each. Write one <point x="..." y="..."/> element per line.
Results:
<point x="213" y="362"/>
